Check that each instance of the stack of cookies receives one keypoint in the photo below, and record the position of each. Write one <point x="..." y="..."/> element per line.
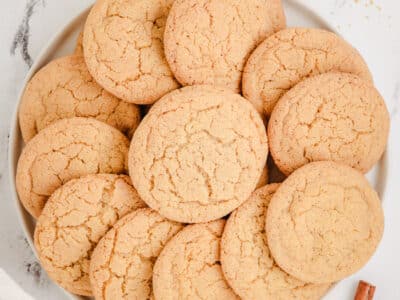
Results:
<point x="173" y="201"/>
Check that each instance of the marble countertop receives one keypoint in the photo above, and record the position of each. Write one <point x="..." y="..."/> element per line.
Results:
<point x="372" y="26"/>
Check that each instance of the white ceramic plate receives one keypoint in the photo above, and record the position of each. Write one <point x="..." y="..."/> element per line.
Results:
<point x="64" y="42"/>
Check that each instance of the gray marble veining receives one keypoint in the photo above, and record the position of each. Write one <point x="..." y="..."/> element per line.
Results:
<point x="21" y="38"/>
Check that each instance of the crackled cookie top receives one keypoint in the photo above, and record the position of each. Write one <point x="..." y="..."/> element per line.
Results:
<point x="123" y="48"/>
<point x="189" y="265"/>
<point x="67" y="149"/>
<point x="209" y="41"/>
<point x="74" y="219"/>
<point x="334" y="116"/>
<point x="324" y="222"/>
<point x="246" y="260"/>
<point x="198" y="154"/>
<point x="290" y="55"/>
<point x="122" y="263"/>
<point x="64" y="89"/>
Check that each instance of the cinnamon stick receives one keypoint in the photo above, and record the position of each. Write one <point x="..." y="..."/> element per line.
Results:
<point x="365" y="291"/>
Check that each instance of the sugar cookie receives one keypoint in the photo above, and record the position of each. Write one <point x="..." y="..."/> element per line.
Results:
<point x="64" y="89"/>
<point x="67" y="149"/>
<point x="209" y="41"/>
<point x="290" y="55"/>
<point x="324" y="222"/>
<point x="74" y="219"/>
<point x="246" y="260"/>
<point x="198" y="154"/>
<point x="122" y="263"/>
<point x="123" y="48"/>
<point x="335" y="116"/>
<point x="189" y="265"/>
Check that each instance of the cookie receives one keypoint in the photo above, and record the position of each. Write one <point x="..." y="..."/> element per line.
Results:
<point x="122" y="263"/>
<point x="123" y="48"/>
<point x="74" y="219"/>
<point x="324" y="222"/>
<point x="198" y="154"/>
<point x="189" y="265"/>
<point x="246" y="260"/>
<point x="79" y="45"/>
<point x="333" y="116"/>
<point x="209" y="41"/>
<point x="289" y="56"/>
<point x="67" y="149"/>
<point x="64" y="89"/>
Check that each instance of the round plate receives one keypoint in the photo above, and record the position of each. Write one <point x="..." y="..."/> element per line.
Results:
<point x="64" y="42"/>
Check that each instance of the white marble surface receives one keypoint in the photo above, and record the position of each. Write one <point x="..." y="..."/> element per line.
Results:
<point x="371" y="26"/>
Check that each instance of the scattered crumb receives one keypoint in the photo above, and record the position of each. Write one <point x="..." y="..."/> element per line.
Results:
<point x="369" y="3"/>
